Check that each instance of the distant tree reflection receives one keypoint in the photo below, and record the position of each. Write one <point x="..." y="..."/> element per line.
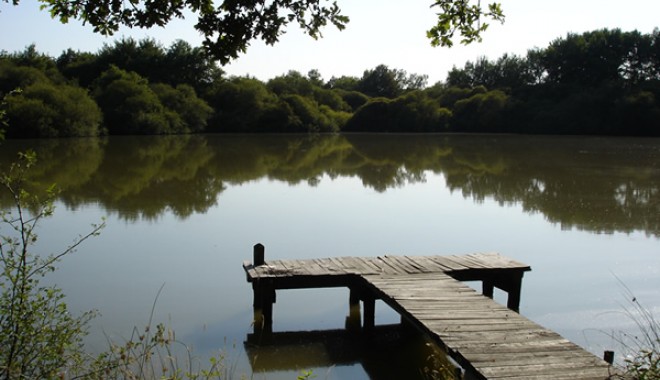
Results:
<point x="595" y="184"/>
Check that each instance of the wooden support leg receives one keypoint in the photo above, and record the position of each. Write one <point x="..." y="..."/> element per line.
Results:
<point x="369" y="313"/>
<point x="487" y="288"/>
<point x="264" y="297"/>
<point x="353" y="321"/>
<point x="513" y="287"/>
<point x="513" y="302"/>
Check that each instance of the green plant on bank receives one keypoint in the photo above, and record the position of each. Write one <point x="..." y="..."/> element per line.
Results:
<point x="306" y="375"/>
<point x="38" y="335"/>
<point x="40" y="338"/>
<point x="152" y="354"/>
<point x="641" y="350"/>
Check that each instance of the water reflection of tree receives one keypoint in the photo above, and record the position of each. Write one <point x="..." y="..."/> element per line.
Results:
<point x="604" y="185"/>
<point x="594" y="184"/>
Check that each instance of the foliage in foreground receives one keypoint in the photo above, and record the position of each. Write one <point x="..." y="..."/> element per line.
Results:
<point x="641" y="350"/>
<point x="38" y="334"/>
<point x="40" y="338"/>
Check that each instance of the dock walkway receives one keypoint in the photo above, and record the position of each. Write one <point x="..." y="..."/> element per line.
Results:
<point x="487" y="339"/>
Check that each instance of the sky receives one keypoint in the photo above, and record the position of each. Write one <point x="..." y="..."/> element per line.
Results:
<point x="390" y="32"/>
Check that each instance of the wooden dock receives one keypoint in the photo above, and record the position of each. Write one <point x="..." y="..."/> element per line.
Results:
<point x="488" y="340"/>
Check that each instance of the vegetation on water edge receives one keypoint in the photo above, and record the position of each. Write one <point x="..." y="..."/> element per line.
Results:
<point x="39" y="336"/>
<point x="641" y="348"/>
<point x="605" y="82"/>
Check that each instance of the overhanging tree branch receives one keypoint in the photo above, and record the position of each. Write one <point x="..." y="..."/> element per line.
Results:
<point x="229" y="27"/>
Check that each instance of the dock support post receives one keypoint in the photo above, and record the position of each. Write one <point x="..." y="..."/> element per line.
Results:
<point x="263" y="295"/>
<point x="487" y="288"/>
<point x="514" y="287"/>
<point x="259" y="255"/>
<point x="264" y="298"/>
<point x="510" y="282"/>
<point x="369" y="303"/>
<point x="354" y="319"/>
<point x="608" y="356"/>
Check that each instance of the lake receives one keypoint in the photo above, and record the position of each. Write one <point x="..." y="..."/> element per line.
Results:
<point x="183" y="213"/>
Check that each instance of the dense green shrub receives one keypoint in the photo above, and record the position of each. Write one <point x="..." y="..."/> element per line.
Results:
<point x="192" y="112"/>
<point x="246" y="105"/>
<point x="130" y="106"/>
<point x="47" y="110"/>
<point x="480" y="113"/>
<point x="414" y="112"/>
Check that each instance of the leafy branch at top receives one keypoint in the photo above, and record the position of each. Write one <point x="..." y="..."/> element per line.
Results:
<point x="229" y="28"/>
<point x="463" y="17"/>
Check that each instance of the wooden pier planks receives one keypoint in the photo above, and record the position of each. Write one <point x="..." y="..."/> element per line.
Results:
<point x="384" y="265"/>
<point x="482" y="335"/>
<point x="491" y="340"/>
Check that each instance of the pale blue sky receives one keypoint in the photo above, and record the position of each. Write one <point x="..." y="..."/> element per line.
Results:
<point x="392" y="32"/>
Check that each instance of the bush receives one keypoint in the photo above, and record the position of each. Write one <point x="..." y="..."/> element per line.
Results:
<point x="192" y="113"/>
<point x="47" y="110"/>
<point x="131" y="107"/>
<point x="40" y="339"/>
<point x="38" y="336"/>
<point x="414" y="112"/>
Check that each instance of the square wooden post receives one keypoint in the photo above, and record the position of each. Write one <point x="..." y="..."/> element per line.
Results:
<point x="513" y="301"/>
<point x="487" y="288"/>
<point x="369" y="304"/>
<point x="264" y="298"/>
<point x="354" y="319"/>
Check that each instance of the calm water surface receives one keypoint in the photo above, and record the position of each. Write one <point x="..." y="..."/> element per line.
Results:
<point x="184" y="212"/>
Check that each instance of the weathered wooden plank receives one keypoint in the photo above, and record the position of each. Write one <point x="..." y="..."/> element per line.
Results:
<point x="473" y="325"/>
<point x="497" y="261"/>
<point x="418" y="265"/>
<point x="444" y="261"/>
<point x="427" y="265"/>
<point x="374" y="262"/>
<point x="505" y="358"/>
<point x="547" y="369"/>
<point x="521" y="360"/>
<point x="330" y="266"/>
<point x="406" y="265"/>
<point x="315" y="269"/>
<point x="394" y="266"/>
<point x="471" y="263"/>
<point x="360" y="266"/>
<point x="340" y="265"/>
<point x="323" y="268"/>
<point x="457" y="263"/>
<point x="374" y="269"/>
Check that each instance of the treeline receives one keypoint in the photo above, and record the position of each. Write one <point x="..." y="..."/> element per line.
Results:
<point x="600" y="82"/>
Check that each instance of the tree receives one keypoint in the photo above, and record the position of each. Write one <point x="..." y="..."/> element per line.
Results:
<point x="47" y="110"/>
<point x="464" y="17"/>
<point x="229" y="27"/>
<point x="246" y="105"/>
<point x="389" y="83"/>
<point x="508" y="72"/>
<point x="192" y="111"/>
<point x="413" y="112"/>
<point x="130" y="106"/>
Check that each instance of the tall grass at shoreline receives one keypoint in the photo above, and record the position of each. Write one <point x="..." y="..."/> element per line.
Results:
<point x="641" y="349"/>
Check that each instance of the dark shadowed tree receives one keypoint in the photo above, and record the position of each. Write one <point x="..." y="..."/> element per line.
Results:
<point x="246" y="105"/>
<point x="44" y="109"/>
<point x="389" y="83"/>
<point x="130" y="106"/>
<point x="192" y="113"/>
